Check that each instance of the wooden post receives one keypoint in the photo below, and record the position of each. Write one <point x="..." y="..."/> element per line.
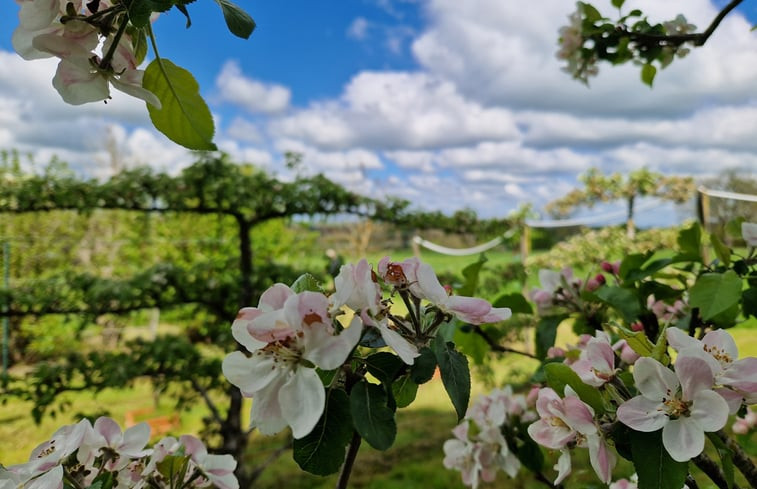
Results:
<point x="525" y="243"/>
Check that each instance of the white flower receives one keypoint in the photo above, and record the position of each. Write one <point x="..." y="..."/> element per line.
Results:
<point x="286" y="344"/>
<point x="683" y="404"/>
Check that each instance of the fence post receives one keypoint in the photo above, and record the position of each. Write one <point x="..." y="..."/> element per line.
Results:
<point x="525" y="242"/>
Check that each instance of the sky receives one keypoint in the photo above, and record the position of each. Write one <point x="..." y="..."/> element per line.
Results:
<point x="450" y="104"/>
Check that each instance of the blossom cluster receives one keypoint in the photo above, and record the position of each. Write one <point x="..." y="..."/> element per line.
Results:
<point x="85" y="455"/>
<point x="291" y="333"/>
<point x="74" y="32"/>
<point x="480" y="449"/>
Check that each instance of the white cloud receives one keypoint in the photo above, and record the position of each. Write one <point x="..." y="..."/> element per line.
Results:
<point x="358" y="29"/>
<point x="254" y="96"/>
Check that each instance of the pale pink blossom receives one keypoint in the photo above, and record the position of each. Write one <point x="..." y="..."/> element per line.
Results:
<point x="596" y="363"/>
<point x="421" y="281"/>
<point x="65" y="441"/>
<point x="683" y="404"/>
<point x="286" y="344"/>
<point x="626" y="353"/>
<point x="404" y="348"/>
<point x="734" y="379"/>
<point x="218" y="469"/>
<point x="742" y="426"/>
<point x="356" y="288"/>
<point x="106" y="438"/>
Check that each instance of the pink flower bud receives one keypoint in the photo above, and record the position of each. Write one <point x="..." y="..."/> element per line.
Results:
<point x="637" y="326"/>
<point x="606" y="266"/>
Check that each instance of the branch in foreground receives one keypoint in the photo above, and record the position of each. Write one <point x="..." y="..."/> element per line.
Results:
<point x="712" y="470"/>
<point x="741" y="460"/>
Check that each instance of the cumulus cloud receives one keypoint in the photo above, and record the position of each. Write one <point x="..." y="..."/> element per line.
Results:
<point x="254" y="96"/>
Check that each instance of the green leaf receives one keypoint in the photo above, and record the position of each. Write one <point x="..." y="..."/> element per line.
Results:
<point x="530" y="455"/>
<point x="654" y="466"/>
<point x="726" y="457"/>
<point x="424" y="367"/>
<point x="306" y="283"/>
<point x="623" y="300"/>
<point x="321" y="452"/>
<point x="721" y="250"/>
<point x="648" y="72"/>
<point x="471" y="274"/>
<point x="733" y="227"/>
<point x="516" y="302"/>
<point x="404" y="390"/>
<point x="384" y="366"/>
<point x="631" y="263"/>
<point x="749" y="302"/>
<point x="690" y="242"/>
<point x="453" y="367"/>
<point x="372" y="417"/>
<point x="590" y="12"/>
<point x="559" y="375"/>
<point x="617" y="3"/>
<point x="184" y="117"/>
<point x="238" y="21"/>
<point x="638" y="341"/>
<point x="714" y="293"/>
<point x="648" y="269"/>
<point x="139" y="12"/>
<point x="546" y="332"/>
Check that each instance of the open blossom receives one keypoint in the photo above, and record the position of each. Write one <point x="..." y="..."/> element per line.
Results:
<point x="106" y="438"/>
<point x="683" y="404"/>
<point x="665" y="312"/>
<point x="480" y="457"/>
<point x="734" y="379"/>
<point x="421" y="281"/>
<point x="596" y="363"/>
<point x="356" y="287"/>
<point x="556" y="287"/>
<point x="566" y="423"/>
<point x="287" y="335"/>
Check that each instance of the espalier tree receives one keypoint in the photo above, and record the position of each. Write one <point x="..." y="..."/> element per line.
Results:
<point x="212" y="186"/>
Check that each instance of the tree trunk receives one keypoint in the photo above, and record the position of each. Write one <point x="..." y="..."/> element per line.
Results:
<point x="630" y="227"/>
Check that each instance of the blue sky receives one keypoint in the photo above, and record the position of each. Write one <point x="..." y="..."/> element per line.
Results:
<point x="449" y="104"/>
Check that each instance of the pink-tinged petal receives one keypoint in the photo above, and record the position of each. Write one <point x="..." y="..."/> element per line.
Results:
<point x="642" y="414"/>
<point x="109" y="429"/>
<point x="697" y="351"/>
<point x="220" y="471"/>
<point x="562" y="466"/>
<point x="134" y="440"/>
<point x="272" y="326"/>
<point x="194" y="447"/>
<point x="307" y="308"/>
<point x="461" y="431"/>
<point x="601" y="355"/>
<point x="710" y="410"/>
<point x="741" y="375"/>
<point x="694" y="374"/>
<point x="749" y="233"/>
<point x="679" y="339"/>
<point x="302" y="399"/>
<point x="653" y="379"/>
<point x="275" y="297"/>
<point x="602" y="459"/>
<point x="60" y="46"/>
<point x="240" y="331"/>
<point x="734" y="399"/>
<point x="474" y="310"/>
<point x="22" y="40"/>
<point x="78" y="82"/>
<point x="250" y="374"/>
<point x="356" y="289"/>
<point x="427" y="285"/>
<point x="544" y="401"/>
<point x="329" y="351"/>
<point x="551" y="436"/>
<point x="585" y="371"/>
<point x="130" y="83"/>
<point x="38" y="14"/>
<point x="683" y="439"/>
<point x="49" y="480"/>
<point x="578" y="415"/>
<point x="266" y="413"/>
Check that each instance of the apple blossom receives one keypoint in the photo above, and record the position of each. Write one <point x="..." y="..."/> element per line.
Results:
<point x="285" y="345"/>
<point x="683" y="404"/>
<point x="734" y="379"/>
<point x="106" y="439"/>
<point x="596" y="363"/>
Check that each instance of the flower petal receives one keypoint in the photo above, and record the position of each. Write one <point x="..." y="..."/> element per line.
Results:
<point x="653" y="379"/>
<point x="694" y="374"/>
<point x="302" y="399"/>
<point x="710" y="410"/>
<point x="266" y="410"/>
<point x="642" y="414"/>
<point x="683" y="438"/>
<point x="602" y="459"/>
<point x="327" y="350"/>
<point x="250" y="374"/>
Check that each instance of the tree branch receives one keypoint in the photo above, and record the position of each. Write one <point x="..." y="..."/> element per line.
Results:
<point x="208" y="401"/>
<point x="496" y="346"/>
<point x="741" y="460"/>
<point x="349" y="461"/>
<point x="712" y="470"/>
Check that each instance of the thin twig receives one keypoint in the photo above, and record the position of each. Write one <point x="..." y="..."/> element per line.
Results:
<point x="741" y="460"/>
<point x="208" y="401"/>
<point x="257" y="471"/>
<point x="349" y="461"/>
<point x="712" y="470"/>
<point x="496" y="346"/>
